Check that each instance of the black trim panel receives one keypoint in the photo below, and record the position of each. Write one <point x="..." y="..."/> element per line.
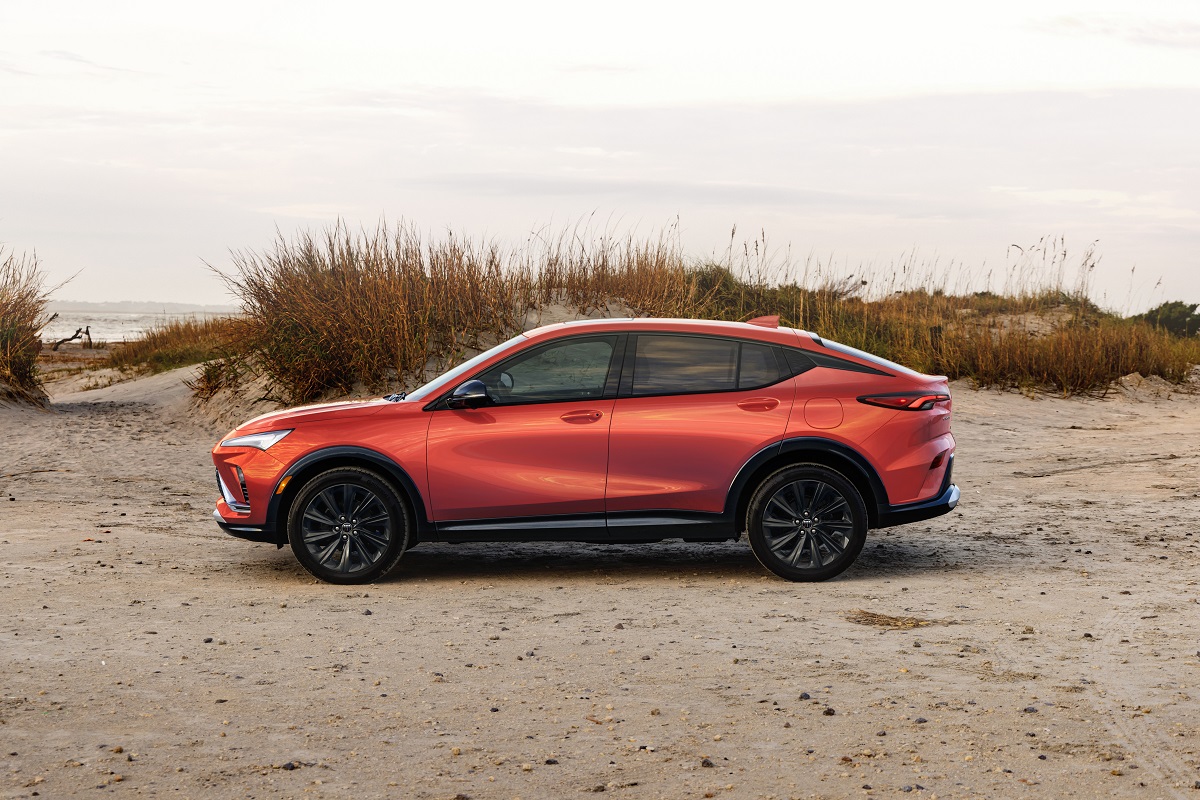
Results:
<point x="902" y="515"/>
<point x="833" y="362"/>
<point x="635" y="526"/>
<point x="670" y="524"/>
<point x="503" y="527"/>
<point x="252" y="533"/>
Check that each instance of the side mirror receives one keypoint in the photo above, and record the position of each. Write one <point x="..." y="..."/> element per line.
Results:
<point x="471" y="394"/>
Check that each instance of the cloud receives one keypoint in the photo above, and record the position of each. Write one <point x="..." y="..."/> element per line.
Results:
<point x="1149" y="205"/>
<point x="602" y="69"/>
<point x="75" y="58"/>
<point x="594" y="152"/>
<point x="1174" y="34"/>
<point x="656" y="191"/>
<point x="405" y="103"/>
<point x="11" y="70"/>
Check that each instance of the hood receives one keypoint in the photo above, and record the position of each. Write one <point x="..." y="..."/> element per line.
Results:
<point x="290" y="417"/>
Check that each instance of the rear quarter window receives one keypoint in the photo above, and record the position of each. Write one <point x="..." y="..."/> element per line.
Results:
<point x="758" y="366"/>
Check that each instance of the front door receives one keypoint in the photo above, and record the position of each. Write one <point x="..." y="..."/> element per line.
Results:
<point x="539" y="448"/>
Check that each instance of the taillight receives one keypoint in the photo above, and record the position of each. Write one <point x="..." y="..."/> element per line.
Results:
<point x="905" y="402"/>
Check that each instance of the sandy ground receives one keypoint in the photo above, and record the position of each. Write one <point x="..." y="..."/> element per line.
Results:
<point x="1043" y="638"/>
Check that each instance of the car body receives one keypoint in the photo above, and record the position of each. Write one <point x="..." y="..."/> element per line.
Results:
<point x="630" y="430"/>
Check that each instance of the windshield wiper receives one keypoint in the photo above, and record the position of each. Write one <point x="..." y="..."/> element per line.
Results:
<point x="395" y="398"/>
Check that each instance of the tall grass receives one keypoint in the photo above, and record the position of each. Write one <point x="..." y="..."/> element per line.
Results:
<point x="173" y="344"/>
<point x="325" y="313"/>
<point x="23" y="298"/>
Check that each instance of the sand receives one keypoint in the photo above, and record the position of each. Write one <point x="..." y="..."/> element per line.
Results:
<point x="1041" y="641"/>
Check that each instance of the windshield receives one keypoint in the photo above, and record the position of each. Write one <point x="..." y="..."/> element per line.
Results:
<point x="448" y="378"/>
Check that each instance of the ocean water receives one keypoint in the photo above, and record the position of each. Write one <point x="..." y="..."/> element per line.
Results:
<point x="111" y="326"/>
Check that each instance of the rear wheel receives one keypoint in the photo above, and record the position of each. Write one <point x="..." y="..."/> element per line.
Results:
<point x="807" y="523"/>
<point x="348" y="525"/>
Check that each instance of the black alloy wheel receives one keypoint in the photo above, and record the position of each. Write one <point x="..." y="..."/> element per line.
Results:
<point x="807" y="522"/>
<point x="348" y="525"/>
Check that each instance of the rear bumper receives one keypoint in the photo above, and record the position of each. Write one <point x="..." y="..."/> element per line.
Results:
<point x="944" y="503"/>
<point x="253" y="533"/>
<point x="902" y="515"/>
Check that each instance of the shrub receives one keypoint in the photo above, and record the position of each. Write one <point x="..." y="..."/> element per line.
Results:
<point x="23" y="299"/>
<point x="1174" y="317"/>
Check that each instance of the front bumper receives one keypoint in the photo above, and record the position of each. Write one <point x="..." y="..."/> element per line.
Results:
<point x="253" y="533"/>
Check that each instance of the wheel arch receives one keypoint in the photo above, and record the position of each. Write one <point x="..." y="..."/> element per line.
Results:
<point x="806" y="450"/>
<point x="328" y="458"/>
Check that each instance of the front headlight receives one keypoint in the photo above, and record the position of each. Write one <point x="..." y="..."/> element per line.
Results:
<point x="262" y="441"/>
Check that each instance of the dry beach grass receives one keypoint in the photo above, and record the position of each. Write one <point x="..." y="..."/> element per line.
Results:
<point x="340" y="312"/>
<point x="327" y="313"/>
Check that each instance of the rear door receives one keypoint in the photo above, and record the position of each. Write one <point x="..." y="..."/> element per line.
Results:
<point x="691" y="411"/>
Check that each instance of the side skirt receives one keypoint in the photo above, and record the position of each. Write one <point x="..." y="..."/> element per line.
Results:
<point x="629" y="527"/>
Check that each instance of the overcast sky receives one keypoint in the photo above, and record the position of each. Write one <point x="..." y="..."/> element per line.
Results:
<point x="140" y="140"/>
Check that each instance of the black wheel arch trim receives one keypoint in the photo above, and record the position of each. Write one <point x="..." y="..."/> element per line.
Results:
<point x="344" y="453"/>
<point x="861" y="473"/>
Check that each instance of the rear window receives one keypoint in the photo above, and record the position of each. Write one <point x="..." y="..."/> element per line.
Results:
<point x="881" y="363"/>
<point x="671" y="364"/>
<point x="684" y="364"/>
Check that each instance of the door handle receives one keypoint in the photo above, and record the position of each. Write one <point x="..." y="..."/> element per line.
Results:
<point x="578" y="417"/>
<point x="758" y="403"/>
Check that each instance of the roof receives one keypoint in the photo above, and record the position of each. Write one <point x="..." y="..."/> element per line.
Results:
<point x="742" y="330"/>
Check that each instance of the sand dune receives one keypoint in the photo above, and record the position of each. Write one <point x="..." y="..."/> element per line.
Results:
<point x="1042" y="640"/>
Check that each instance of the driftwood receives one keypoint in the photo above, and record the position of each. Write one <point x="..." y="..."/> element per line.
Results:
<point x="79" y="334"/>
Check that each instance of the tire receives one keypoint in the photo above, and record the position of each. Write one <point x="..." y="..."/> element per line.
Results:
<point x="339" y="546"/>
<point x="806" y="522"/>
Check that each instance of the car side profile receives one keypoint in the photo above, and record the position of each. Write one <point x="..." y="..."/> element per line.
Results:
<point x="631" y="430"/>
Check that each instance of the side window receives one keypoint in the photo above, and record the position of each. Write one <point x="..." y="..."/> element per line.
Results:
<point x="797" y="361"/>
<point x="572" y="370"/>
<point x="758" y="366"/>
<point x="684" y="364"/>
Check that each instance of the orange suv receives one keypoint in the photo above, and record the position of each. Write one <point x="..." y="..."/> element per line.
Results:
<point x="632" y="430"/>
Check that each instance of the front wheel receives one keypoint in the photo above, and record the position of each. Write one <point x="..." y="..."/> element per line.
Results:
<point x="348" y="525"/>
<point x="807" y="523"/>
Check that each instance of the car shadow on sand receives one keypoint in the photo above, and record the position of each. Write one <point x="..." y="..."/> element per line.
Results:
<point x="527" y="560"/>
<point x="896" y="556"/>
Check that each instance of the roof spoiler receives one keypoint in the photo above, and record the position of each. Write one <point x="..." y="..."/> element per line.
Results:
<point x="765" y="322"/>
